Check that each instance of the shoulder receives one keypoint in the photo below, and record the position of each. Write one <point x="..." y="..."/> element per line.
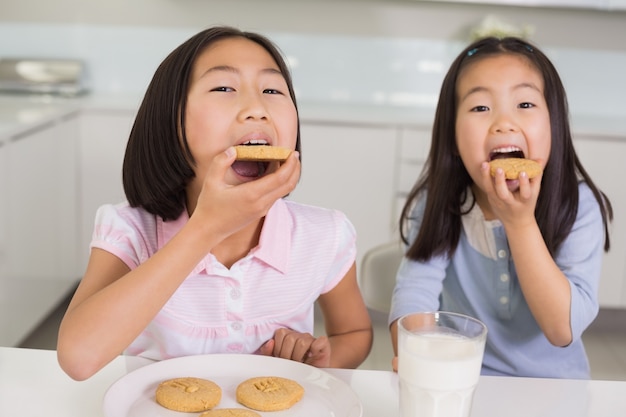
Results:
<point x="588" y="205"/>
<point x="125" y="211"/>
<point x="124" y="216"/>
<point x="304" y="214"/>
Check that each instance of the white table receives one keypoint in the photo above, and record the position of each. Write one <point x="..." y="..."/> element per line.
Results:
<point x="32" y="384"/>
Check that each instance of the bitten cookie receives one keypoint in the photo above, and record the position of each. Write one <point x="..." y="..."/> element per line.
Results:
<point x="513" y="166"/>
<point x="261" y="153"/>
<point x="188" y="394"/>
<point x="269" y="393"/>
<point x="230" y="412"/>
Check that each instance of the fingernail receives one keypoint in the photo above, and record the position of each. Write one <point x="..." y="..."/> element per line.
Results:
<point x="230" y="151"/>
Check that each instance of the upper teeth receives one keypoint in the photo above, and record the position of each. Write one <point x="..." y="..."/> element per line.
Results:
<point x="507" y="149"/>
<point x="256" y="142"/>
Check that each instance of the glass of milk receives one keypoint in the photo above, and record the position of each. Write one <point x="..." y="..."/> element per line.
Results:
<point x="439" y="359"/>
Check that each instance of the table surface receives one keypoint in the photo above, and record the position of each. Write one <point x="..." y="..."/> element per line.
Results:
<point x="33" y="384"/>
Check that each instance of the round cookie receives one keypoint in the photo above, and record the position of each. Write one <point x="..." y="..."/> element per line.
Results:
<point x="230" y="412"/>
<point x="269" y="393"/>
<point x="513" y="166"/>
<point x="261" y="153"/>
<point x="188" y="394"/>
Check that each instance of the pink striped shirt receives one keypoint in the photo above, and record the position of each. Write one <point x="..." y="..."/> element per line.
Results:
<point x="303" y="251"/>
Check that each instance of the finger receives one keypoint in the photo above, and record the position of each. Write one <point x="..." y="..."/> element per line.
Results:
<point x="525" y="191"/>
<point x="318" y="348"/>
<point x="486" y="179"/>
<point x="394" y="364"/>
<point x="267" y="349"/>
<point x="279" y="336"/>
<point x="302" y="347"/>
<point x="296" y="346"/>
<point x="221" y="163"/>
<point x="500" y="187"/>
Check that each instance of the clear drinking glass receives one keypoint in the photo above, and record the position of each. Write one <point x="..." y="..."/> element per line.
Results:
<point x="439" y="359"/>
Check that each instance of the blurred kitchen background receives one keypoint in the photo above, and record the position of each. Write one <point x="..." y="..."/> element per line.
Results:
<point x="364" y="71"/>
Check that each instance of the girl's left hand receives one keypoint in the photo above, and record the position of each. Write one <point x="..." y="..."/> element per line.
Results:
<point x="512" y="205"/>
<point x="301" y="347"/>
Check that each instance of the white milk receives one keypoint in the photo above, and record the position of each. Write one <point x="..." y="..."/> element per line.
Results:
<point x="438" y="373"/>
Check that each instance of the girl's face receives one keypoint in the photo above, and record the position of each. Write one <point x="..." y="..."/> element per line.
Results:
<point x="501" y="112"/>
<point x="237" y="95"/>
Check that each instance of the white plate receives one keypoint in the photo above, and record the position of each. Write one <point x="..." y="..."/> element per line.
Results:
<point x="324" y="394"/>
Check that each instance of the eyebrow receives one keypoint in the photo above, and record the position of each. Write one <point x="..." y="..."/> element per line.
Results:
<point x="479" y="89"/>
<point x="228" y="68"/>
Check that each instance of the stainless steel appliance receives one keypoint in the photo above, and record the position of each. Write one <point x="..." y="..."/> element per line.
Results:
<point x="43" y="76"/>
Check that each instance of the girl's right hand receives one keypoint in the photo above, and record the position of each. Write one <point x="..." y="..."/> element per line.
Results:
<point x="232" y="207"/>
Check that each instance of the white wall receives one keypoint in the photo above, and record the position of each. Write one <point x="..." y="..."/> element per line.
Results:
<point x="356" y="52"/>
<point x="402" y="18"/>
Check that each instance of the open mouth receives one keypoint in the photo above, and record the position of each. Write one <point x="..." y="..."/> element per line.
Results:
<point x="251" y="169"/>
<point x="508" y="152"/>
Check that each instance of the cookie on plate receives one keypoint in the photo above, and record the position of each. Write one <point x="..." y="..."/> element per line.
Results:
<point x="230" y="412"/>
<point x="269" y="393"/>
<point x="188" y="394"/>
<point x="262" y="153"/>
<point x="513" y="166"/>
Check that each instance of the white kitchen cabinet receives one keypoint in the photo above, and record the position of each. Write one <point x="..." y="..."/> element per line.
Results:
<point x="4" y="175"/>
<point x="40" y="228"/>
<point x="600" y="156"/>
<point x="103" y="138"/>
<point x="351" y="168"/>
<point x="414" y="147"/>
<point x="42" y="201"/>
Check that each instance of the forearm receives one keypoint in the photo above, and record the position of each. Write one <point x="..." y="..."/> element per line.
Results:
<point x="111" y="306"/>
<point x="349" y="350"/>
<point x="545" y="287"/>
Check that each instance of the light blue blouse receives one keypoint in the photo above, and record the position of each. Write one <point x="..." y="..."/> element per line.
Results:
<point x="487" y="288"/>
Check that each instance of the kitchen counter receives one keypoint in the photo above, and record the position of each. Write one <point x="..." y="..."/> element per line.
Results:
<point x="33" y="384"/>
<point x="21" y="113"/>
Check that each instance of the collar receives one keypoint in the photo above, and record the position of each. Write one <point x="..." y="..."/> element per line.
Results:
<point x="479" y="231"/>
<point x="274" y="242"/>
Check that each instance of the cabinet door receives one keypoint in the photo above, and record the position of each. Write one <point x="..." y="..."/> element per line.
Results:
<point x="351" y="168"/>
<point x="42" y="209"/>
<point x="103" y="139"/>
<point x="414" y="146"/>
<point x="600" y="156"/>
<point x="4" y="175"/>
<point x="41" y="227"/>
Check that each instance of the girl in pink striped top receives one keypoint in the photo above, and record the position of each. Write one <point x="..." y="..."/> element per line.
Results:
<point x="206" y="256"/>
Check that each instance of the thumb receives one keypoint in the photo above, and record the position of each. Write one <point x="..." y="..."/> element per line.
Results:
<point x="222" y="162"/>
<point x="267" y="348"/>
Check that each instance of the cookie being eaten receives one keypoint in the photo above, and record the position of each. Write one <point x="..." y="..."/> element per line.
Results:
<point x="512" y="167"/>
<point x="269" y="393"/>
<point x="262" y="153"/>
<point x="188" y="394"/>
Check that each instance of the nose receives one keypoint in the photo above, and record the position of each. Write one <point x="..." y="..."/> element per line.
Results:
<point x="504" y="123"/>
<point x="253" y="107"/>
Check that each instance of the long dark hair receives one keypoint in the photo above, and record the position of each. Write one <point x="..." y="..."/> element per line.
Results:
<point x="445" y="181"/>
<point x="158" y="164"/>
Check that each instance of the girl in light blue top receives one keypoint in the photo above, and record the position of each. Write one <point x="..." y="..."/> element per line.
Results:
<point x="523" y="256"/>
